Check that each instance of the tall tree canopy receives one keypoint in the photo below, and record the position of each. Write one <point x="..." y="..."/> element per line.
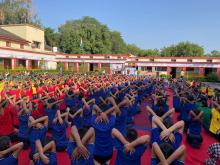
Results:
<point x="214" y="53"/>
<point x="51" y="37"/>
<point x="183" y="49"/>
<point x="18" y="12"/>
<point x="96" y="37"/>
<point x="118" y="44"/>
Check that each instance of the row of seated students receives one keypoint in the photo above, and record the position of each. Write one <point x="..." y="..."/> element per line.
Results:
<point x="99" y="123"/>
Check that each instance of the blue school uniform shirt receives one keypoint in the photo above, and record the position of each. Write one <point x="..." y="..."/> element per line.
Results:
<point x="77" y="121"/>
<point x="51" y="113"/>
<point x="176" y="102"/>
<point x="155" y="137"/>
<point x="59" y="134"/>
<point x="35" y="134"/>
<point x="195" y="127"/>
<point x="103" y="137"/>
<point x="52" y="159"/>
<point x="81" y="161"/>
<point x="23" y="126"/>
<point x="9" y="160"/>
<point x="87" y="116"/>
<point x="184" y="114"/>
<point x="70" y="102"/>
<point x="121" y="120"/>
<point x="123" y="158"/>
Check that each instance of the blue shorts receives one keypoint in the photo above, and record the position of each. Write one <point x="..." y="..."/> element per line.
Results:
<point x="155" y="161"/>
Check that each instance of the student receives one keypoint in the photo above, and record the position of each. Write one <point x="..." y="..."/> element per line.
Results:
<point x="24" y="115"/>
<point x="9" y="153"/>
<point x="81" y="146"/>
<point x="159" y="113"/>
<point x="194" y="137"/>
<point x="38" y="130"/>
<point x="60" y="123"/>
<point x="130" y="147"/>
<point x="188" y="105"/>
<point x="214" y="125"/>
<point x="45" y="155"/>
<point x="103" y="122"/>
<point x="166" y="139"/>
<point x="76" y="117"/>
<point x="51" y="110"/>
<point x="165" y="154"/>
<point x="8" y="113"/>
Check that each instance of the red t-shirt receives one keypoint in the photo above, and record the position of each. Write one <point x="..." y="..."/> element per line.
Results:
<point x="15" y="92"/>
<point x="8" y="120"/>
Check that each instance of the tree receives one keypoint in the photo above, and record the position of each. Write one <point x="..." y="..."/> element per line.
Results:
<point x="133" y="49"/>
<point x="96" y="37"/>
<point x="18" y="12"/>
<point x="183" y="49"/>
<point x="51" y="38"/>
<point x="215" y="53"/>
<point x="150" y="52"/>
<point x="118" y="44"/>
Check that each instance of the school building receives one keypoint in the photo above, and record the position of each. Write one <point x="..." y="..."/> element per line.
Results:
<point x="23" y="46"/>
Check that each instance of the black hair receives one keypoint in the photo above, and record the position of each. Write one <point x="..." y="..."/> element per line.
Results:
<point x="131" y="134"/>
<point x="70" y="92"/>
<point x="190" y="97"/>
<point x="160" y="102"/>
<point x="196" y="111"/>
<point x="51" y="100"/>
<point x="73" y="110"/>
<point x="82" y="132"/>
<point x="4" y="143"/>
<point x="160" y="112"/>
<point x="168" y="122"/>
<point x="204" y="102"/>
<point x="167" y="149"/>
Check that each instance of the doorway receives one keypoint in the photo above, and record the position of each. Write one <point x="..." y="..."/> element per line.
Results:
<point x="91" y="67"/>
<point x="173" y="72"/>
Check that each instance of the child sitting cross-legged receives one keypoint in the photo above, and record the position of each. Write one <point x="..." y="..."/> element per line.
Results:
<point x="166" y="141"/>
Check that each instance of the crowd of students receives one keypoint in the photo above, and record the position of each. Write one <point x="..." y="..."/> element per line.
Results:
<point x="36" y="110"/>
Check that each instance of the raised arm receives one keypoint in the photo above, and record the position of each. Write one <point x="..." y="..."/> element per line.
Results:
<point x="15" y="149"/>
<point x="119" y="136"/>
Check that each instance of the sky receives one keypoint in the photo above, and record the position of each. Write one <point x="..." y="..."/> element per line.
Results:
<point x="147" y="23"/>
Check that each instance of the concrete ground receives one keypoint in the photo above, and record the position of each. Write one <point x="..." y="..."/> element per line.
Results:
<point x="213" y="84"/>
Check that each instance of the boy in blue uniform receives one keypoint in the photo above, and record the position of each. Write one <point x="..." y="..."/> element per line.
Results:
<point x="23" y="116"/>
<point x="51" y="110"/>
<point x="194" y="137"/>
<point x="130" y="147"/>
<point x="45" y="155"/>
<point x="8" y="153"/>
<point x="38" y="130"/>
<point x="166" y="139"/>
<point x="60" y="123"/>
<point x="103" y="123"/>
<point x="81" y="146"/>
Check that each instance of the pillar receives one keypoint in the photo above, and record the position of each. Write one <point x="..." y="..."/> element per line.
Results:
<point x="77" y="67"/>
<point x="28" y="64"/>
<point x="201" y="72"/>
<point x="88" y="67"/>
<point x="66" y="66"/>
<point x="168" y="70"/>
<point x="13" y="63"/>
<point x="38" y="64"/>
<point x="184" y="70"/>
<point x="218" y="72"/>
<point x="99" y="66"/>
